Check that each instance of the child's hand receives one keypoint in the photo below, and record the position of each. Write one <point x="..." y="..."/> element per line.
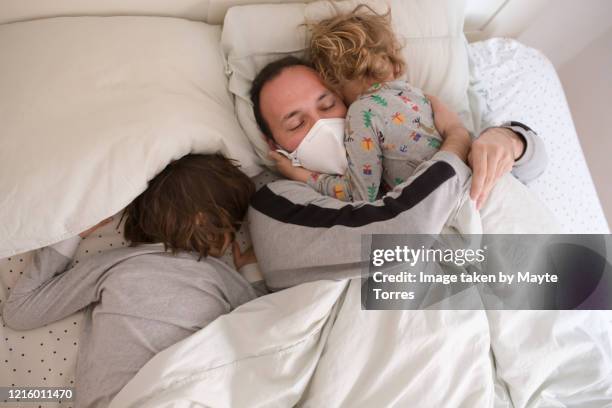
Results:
<point x="287" y="169"/>
<point x="86" y="233"/>
<point x="243" y="258"/>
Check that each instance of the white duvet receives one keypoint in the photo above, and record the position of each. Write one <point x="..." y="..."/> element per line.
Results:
<point x="313" y="346"/>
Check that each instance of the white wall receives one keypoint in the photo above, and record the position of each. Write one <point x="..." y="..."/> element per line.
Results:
<point x="587" y="80"/>
<point x="563" y="28"/>
<point x="508" y="19"/>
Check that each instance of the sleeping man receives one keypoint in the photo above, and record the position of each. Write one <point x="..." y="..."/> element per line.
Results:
<point x="289" y="98"/>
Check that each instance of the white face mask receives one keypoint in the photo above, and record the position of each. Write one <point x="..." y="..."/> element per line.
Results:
<point x="322" y="149"/>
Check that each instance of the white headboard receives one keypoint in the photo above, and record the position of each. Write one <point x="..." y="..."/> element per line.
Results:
<point x="209" y="11"/>
<point x="479" y="14"/>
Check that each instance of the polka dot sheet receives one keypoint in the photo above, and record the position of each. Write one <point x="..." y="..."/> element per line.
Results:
<point x="46" y="357"/>
<point x="511" y="82"/>
<point x="514" y="82"/>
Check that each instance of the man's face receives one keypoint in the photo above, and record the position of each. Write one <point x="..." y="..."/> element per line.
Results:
<point x="294" y="101"/>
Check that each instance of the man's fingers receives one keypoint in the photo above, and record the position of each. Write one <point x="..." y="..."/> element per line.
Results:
<point x="479" y="167"/>
<point x="488" y="185"/>
<point x="502" y="168"/>
<point x="495" y="166"/>
<point x="485" y="194"/>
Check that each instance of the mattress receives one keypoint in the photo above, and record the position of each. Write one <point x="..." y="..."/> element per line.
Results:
<point x="509" y="82"/>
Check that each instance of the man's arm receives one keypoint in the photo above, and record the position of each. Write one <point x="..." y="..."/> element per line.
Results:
<point x="300" y="236"/>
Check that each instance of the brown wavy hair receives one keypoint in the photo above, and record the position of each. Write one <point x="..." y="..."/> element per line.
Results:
<point x="190" y="205"/>
<point x="359" y="45"/>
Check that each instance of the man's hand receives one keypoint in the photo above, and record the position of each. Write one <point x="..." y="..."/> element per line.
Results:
<point x="287" y="169"/>
<point x="492" y="155"/>
<point x="86" y="233"/>
<point x="243" y="258"/>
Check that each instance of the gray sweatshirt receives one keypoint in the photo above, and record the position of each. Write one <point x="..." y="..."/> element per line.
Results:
<point x="301" y="236"/>
<point x="140" y="300"/>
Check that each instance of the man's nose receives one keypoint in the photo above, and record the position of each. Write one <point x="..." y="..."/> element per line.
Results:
<point x="312" y="118"/>
<point x="317" y="114"/>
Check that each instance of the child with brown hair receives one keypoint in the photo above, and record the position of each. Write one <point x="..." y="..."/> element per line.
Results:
<point x="162" y="288"/>
<point x="389" y="128"/>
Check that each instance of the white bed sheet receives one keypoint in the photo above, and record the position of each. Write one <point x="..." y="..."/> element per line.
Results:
<point x="512" y="82"/>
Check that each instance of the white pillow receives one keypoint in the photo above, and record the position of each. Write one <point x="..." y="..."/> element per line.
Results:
<point x="92" y="108"/>
<point x="208" y="11"/>
<point x="432" y="31"/>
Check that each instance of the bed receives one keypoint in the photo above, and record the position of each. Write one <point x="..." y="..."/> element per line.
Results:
<point x="507" y="81"/>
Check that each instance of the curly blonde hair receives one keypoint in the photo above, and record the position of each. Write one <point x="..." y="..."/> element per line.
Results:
<point x="359" y="45"/>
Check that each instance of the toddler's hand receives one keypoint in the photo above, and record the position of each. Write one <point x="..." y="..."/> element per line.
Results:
<point x="287" y="169"/>
<point x="86" y="233"/>
<point x="243" y="258"/>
